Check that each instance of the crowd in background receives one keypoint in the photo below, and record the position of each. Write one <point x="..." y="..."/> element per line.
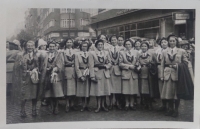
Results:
<point x="114" y="68"/>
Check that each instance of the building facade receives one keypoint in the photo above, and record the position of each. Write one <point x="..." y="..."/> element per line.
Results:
<point x="58" y="23"/>
<point x="149" y="23"/>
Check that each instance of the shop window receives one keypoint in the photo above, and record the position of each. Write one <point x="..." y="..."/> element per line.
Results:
<point x="148" y="33"/>
<point x="127" y="27"/>
<point x="121" y="28"/>
<point x="149" y="24"/>
<point x="133" y="26"/>
<point x="133" y="33"/>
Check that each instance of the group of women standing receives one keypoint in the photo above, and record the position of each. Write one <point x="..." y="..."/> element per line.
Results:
<point x="121" y="69"/>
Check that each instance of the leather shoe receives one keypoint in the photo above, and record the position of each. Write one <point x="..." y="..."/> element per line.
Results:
<point x="169" y="113"/>
<point x="67" y="109"/>
<point x="88" y="109"/>
<point x="162" y="108"/>
<point x="119" y="107"/>
<point x="82" y="109"/>
<point x="175" y="114"/>
<point x="105" y="109"/>
<point x="97" y="110"/>
<point x="126" y="108"/>
<point x="133" y="108"/>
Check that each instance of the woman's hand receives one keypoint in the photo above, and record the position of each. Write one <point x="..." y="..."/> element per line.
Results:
<point x="82" y="78"/>
<point x="161" y="79"/>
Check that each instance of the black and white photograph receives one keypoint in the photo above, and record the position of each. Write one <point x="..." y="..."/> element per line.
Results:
<point x="98" y="64"/>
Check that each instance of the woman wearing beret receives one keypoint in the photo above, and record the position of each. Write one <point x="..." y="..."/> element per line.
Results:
<point x="69" y="72"/>
<point x="99" y="66"/>
<point x="128" y="62"/>
<point x="172" y="57"/>
<point x="53" y="77"/>
<point x="27" y="65"/>
<point x="106" y="45"/>
<point x="146" y="60"/>
<point x="164" y="46"/>
<point x="115" y="73"/>
<point x="82" y="72"/>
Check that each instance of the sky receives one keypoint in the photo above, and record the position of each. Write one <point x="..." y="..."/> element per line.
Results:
<point x="14" y="16"/>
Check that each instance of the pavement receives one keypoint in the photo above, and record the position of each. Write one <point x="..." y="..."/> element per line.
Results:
<point x="44" y="115"/>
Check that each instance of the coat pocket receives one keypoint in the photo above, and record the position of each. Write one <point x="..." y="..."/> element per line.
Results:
<point x="107" y="73"/>
<point x="167" y="73"/>
<point x="126" y="74"/>
<point x="99" y="74"/>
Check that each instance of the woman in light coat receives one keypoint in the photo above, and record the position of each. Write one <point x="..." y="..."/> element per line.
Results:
<point x="99" y="66"/>
<point x="82" y="72"/>
<point x="128" y="61"/>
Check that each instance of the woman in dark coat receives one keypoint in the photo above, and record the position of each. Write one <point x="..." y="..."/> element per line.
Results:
<point x="169" y="64"/>
<point x="99" y="66"/>
<point x="82" y="72"/>
<point x="27" y="67"/>
<point x="146" y="60"/>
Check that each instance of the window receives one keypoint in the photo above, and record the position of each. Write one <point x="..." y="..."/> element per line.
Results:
<point x="84" y="22"/>
<point x="52" y="23"/>
<point x="51" y="10"/>
<point x="65" y="23"/>
<point x="64" y="10"/>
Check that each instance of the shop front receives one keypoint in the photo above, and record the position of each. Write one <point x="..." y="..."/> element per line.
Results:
<point x="147" y="23"/>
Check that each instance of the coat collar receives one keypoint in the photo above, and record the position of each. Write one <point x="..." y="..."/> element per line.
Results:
<point x="83" y="55"/>
<point x="175" y="51"/>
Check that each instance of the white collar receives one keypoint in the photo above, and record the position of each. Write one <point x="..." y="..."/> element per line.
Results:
<point x="174" y="49"/>
<point x="83" y="55"/>
<point x="100" y="53"/>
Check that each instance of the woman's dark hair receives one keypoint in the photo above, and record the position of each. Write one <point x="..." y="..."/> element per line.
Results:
<point x="162" y="40"/>
<point x="98" y="38"/>
<point x="68" y="40"/>
<point x="129" y="41"/>
<point x="120" y="37"/>
<point x="137" y="40"/>
<point x="112" y="37"/>
<point x="144" y="42"/>
<point x="76" y="44"/>
<point x="81" y="44"/>
<point x="98" y="41"/>
<point x="172" y="35"/>
<point x="51" y="43"/>
<point x="62" y="44"/>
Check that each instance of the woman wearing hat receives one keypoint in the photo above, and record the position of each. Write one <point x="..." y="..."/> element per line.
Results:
<point x="69" y="72"/>
<point x="146" y="61"/>
<point x="172" y="57"/>
<point x="28" y="68"/>
<point x="82" y="72"/>
<point x="99" y="65"/>
<point x="159" y="55"/>
<point x="53" y="77"/>
<point x="115" y="73"/>
<point x="128" y="63"/>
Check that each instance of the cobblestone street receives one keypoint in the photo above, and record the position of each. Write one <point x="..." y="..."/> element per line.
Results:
<point x="13" y="115"/>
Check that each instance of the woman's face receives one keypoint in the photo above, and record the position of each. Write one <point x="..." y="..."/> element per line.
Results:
<point x="128" y="45"/>
<point x="144" y="47"/>
<point x="164" y="44"/>
<point x="137" y="45"/>
<point x="114" y="41"/>
<point x="69" y="44"/>
<point x="57" y="46"/>
<point x="151" y="43"/>
<point x="84" y="47"/>
<point x="100" y="46"/>
<point x="172" y="42"/>
<point x="120" y="41"/>
<point x="103" y="37"/>
<point x="29" y="47"/>
<point x="43" y="47"/>
<point x="52" y="48"/>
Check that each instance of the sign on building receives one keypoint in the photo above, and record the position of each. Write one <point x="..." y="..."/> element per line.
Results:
<point x="180" y="16"/>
